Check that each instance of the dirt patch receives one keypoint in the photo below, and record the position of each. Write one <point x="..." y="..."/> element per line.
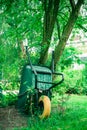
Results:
<point x="10" y="118"/>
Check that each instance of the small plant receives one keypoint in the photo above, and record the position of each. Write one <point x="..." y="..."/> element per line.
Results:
<point x="62" y="104"/>
<point x="8" y="99"/>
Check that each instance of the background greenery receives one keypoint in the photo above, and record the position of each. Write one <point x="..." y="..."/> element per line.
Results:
<point x="24" y="19"/>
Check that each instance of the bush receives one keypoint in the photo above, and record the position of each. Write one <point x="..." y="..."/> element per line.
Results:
<point x="69" y="57"/>
<point x="8" y="99"/>
<point x="84" y="80"/>
<point x="75" y="82"/>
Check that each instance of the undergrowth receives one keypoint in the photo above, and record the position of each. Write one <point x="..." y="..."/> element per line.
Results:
<point x="74" y="116"/>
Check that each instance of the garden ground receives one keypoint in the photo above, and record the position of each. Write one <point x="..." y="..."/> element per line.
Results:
<point x="10" y="118"/>
<point x="70" y="114"/>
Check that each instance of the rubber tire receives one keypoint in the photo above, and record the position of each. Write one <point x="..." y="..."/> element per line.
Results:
<point x="47" y="106"/>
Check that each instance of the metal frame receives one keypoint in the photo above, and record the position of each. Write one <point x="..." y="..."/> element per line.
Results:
<point x="53" y="84"/>
<point x="36" y="72"/>
<point x="38" y="91"/>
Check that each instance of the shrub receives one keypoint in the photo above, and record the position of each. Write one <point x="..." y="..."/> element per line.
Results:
<point x="75" y="82"/>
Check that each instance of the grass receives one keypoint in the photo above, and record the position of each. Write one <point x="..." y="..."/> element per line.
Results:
<point x="71" y="115"/>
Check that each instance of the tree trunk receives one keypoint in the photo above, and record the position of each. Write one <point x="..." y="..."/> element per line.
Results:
<point x="67" y="31"/>
<point x="51" y="11"/>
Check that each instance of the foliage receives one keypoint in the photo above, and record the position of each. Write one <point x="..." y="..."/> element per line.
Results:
<point x="8" y="99"/>
<point x="69" y="57"/>
<point x="22" y="20"/>
<point x="17" y="25"/>
<point x="74" y="83"/>
<point x="84" y="79"/>
<point x="74" y="78"/>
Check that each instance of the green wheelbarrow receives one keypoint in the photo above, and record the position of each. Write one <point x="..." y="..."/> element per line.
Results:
<point x="36" y="88"/>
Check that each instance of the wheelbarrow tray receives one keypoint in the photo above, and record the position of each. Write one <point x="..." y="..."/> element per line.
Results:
<point x="29" y="83"/>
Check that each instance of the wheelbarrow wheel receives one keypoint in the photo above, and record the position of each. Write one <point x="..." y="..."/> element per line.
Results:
<point x="46" y="106"/>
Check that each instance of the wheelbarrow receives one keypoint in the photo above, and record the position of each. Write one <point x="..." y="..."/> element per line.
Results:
<point x="36" y="88"/>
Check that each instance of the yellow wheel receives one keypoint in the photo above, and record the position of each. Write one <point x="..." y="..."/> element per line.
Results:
<point x="46" y="106"/>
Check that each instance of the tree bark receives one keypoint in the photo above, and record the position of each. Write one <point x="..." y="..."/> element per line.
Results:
<point x="66" y="32"/>
<point x="50" y="16"/>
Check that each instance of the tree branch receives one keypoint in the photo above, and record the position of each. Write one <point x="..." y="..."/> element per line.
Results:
<point x="72" y="2"/>
<point x="82" y="27"/>
<point x="58" y="28"/>
<point x="66" y="32"/>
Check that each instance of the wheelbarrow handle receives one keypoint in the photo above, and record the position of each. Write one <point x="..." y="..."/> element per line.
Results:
<point x="53" y="84"/>
<point x="29" y="60"/>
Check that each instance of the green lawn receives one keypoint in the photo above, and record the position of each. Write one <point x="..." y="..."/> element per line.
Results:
<point x="72" y="115"/>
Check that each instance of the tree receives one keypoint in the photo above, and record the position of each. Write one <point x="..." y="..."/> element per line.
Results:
<point x="51" y="8"/>
<point x="19" y="20"/>
<point x="50" y="14"/>
<point x="25" y="19"/>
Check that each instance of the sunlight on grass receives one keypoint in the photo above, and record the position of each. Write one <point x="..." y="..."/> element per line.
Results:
<point x="74" y="116"/>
